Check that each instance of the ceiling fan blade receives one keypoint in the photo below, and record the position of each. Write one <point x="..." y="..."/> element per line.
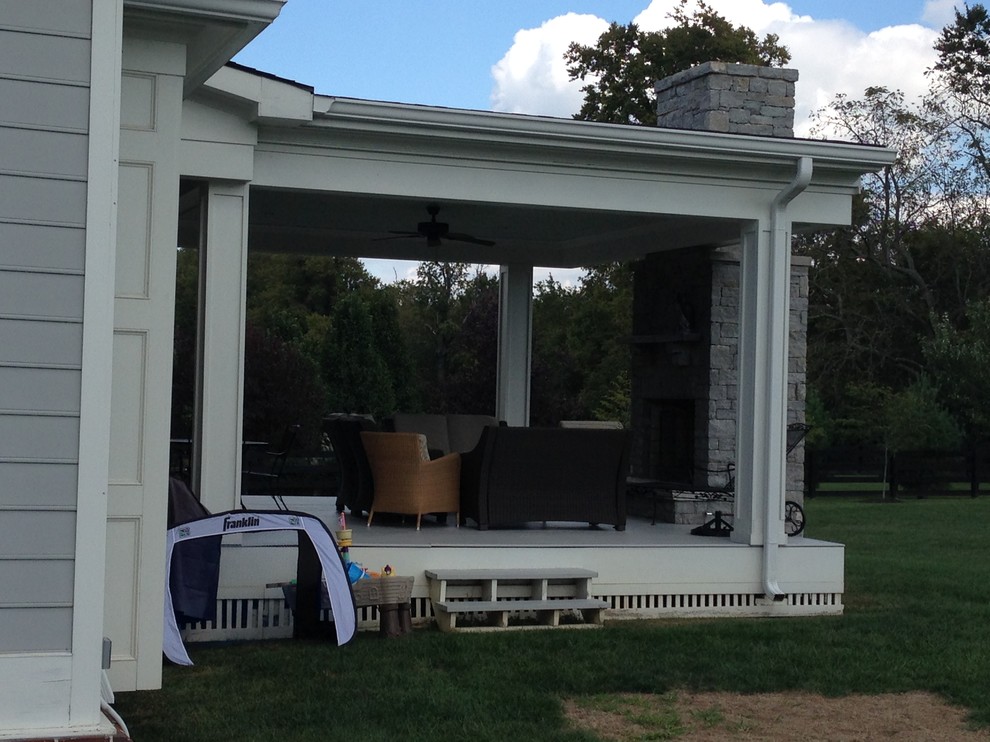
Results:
<point x="469" y="238"/>
<point x="436" y="232"/>
<point x="396" y="235"/>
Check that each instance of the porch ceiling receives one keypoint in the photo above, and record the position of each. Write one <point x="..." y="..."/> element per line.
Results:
<point x="548" y="192"/>
<point x="361" y="225"/>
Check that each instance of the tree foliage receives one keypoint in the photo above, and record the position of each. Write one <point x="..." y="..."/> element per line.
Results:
<point x="622" y="67"/>
<point x="960" y="81"/>
<point x="916" y="249"/>
<point x="282" y="386"/>
<point x="963" y="49"/>
<point x="580" y="350"/>
<point x="449" y="317"/>
<point x="959" y="357"/>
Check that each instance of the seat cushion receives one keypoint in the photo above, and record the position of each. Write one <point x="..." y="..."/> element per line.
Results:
<point x="434" y="427"/>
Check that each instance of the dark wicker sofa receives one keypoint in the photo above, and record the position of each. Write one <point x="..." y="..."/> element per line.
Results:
<point x="520" y="475"/>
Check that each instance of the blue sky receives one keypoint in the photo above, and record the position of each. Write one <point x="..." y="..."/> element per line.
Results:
<point x="441" y="52"/>
<point x="507" y="56"/>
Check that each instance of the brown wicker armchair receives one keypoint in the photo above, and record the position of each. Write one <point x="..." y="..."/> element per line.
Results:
<point x="406" y="481"/>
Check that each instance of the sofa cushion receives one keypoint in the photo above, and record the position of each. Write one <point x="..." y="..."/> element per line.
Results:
<point x="464" y="431"/>
<point x="444" y="433"/>
<point x="434" y="427"/>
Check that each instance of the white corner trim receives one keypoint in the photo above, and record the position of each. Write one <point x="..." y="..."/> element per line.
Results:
<point x="97" y="363"/>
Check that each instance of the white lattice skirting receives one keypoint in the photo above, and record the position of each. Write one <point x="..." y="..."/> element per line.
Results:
<point x="269" y="617"/>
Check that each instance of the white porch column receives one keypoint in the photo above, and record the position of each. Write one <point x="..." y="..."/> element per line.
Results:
<point x="220" y="379"/>
<point x="515" y="343"/>
<point x="763" y="334"/>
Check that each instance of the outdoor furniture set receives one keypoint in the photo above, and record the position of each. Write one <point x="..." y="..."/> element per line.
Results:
<point x="474" y="467"/>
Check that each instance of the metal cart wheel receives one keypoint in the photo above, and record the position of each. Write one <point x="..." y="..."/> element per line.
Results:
<point x="793" y="518"/>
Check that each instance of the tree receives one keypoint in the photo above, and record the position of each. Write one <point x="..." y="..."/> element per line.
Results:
<point x="354" y="366"/>
<point x="474" y="357"/>
<point x="964" y="52"/>
<point x="624" y="64"/>
<point x="281" y="387"/>
<point x="959" y="358"/>
<point x="580" y="348"/>
<point x="962" y="77"/>
<point x="450" y="317"/>
<point x="915" y="249"/>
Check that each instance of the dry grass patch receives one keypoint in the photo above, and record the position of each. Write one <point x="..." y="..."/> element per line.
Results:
<point x="804" y="717"/>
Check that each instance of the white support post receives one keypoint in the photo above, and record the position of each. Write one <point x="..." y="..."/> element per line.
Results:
<point x="515" y="343"/>
<point x="762" y="410"/>
<point x="223" y="282"/>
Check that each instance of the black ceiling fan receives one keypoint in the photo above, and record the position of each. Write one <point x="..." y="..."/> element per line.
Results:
<point x="435" y="232"/>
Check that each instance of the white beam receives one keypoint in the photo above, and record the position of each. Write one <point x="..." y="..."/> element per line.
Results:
<point x="515" y="343"/>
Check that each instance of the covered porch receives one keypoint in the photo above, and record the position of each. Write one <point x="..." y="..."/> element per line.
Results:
<point x="274" y="167"/>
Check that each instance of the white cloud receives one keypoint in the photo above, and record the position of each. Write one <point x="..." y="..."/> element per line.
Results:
<point x="753" y="13"/>
<point x="532" y="76"/>
<point x="832" y="56"/>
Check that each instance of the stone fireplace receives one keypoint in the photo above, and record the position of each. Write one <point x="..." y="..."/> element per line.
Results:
<point x="686" y="305"/>
<point x="684" y="366"/>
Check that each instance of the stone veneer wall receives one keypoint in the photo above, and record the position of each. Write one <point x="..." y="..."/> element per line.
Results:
<point x="729" y="98"/>
<point x="699" y="362"/>
<point x="723" y="391"/>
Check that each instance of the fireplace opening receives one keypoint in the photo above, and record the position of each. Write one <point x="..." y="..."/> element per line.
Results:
<point x="670" y="446"/>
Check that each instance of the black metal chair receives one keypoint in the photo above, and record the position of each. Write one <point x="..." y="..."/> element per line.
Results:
<point x="263" y="469"/>
<point x="356" y="489"/>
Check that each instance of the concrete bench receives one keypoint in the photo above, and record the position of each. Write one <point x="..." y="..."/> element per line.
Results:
<point x="497" y="593"/>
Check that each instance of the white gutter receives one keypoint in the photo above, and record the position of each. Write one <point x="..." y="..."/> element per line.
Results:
<point x="844" y="160"/>
<point x="780" y="253"/>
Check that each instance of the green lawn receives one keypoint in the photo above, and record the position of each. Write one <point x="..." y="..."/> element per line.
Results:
<point x="917" y="618"/>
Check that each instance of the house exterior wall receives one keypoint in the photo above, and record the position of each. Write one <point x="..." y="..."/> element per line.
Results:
<point x="44" y="65"/>
<point x="59" y="67"/>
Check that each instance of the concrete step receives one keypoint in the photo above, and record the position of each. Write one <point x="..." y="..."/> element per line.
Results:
<point x="494" y="594"/>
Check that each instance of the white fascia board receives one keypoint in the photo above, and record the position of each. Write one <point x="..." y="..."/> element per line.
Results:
<point x="213" y="31"/>
<point x="274" y="102"/>
<point x="835" y="160"/>
<point x="256" y="11"/>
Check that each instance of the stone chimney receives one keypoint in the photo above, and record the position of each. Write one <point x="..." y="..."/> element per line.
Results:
<point x="729" y="98"/>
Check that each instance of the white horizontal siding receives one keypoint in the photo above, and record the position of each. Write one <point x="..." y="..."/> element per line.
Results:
<point x="39" y="390"/>
<point x="40" y="295"/>
<point x="38" y="57"/>
<point x="54" y="17"/>
<point x="44" y="82"/>
<point x="40" y="629"/>
<point x="33" y="200"/>
<point x="51" y="106"/>
<point x="43" y="153"/>
<point x="35" y="582"/>
<point x="38" y="438"/>
<point x="37" y="247"/>
<point x="37" y="485"/>
<point x="20" y="537"/>
<point x="27" y="342"/>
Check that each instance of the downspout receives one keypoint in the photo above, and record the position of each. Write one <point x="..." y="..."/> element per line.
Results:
<point x="780" y="244"/>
